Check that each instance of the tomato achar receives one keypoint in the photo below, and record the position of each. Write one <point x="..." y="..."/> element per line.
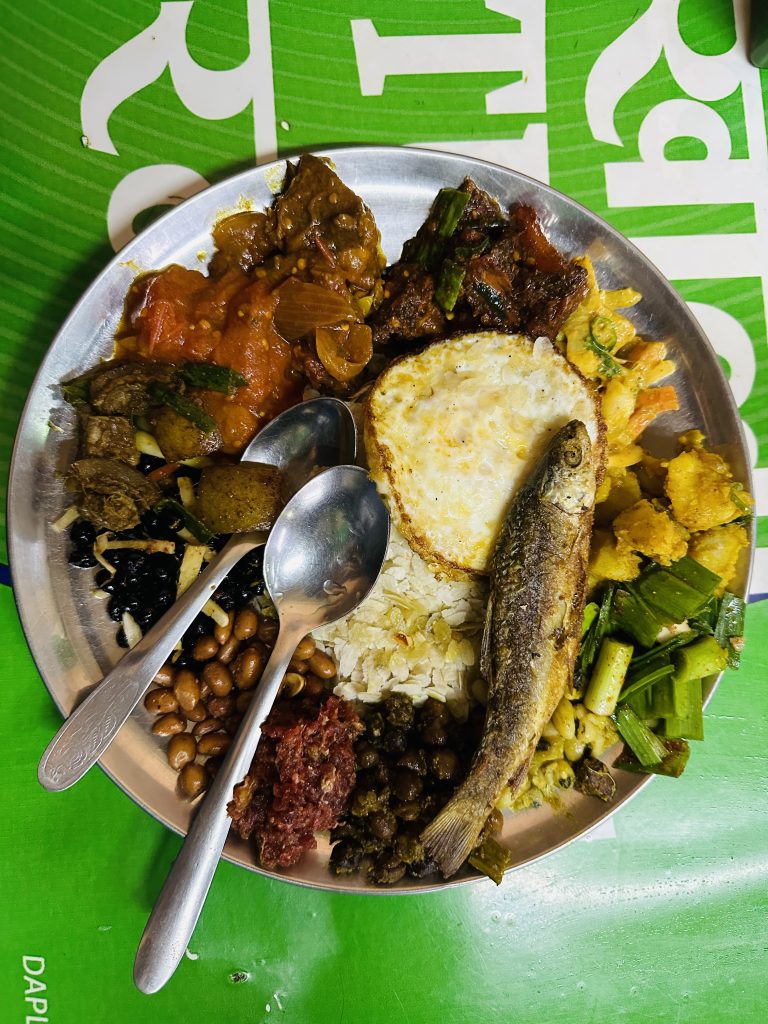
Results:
<point x="280" y="286"/>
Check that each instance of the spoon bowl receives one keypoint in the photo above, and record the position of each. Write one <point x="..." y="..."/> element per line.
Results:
<point x="323" y="556"/>
<point x="303" y="440"/>
<point x="300" y="442"/>
<point x="329" y="574"/>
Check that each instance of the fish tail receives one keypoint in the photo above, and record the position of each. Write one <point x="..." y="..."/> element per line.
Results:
<point x="453" y="834"/>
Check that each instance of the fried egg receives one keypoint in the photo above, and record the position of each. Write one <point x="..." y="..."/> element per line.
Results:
<point x="452" y="432"/>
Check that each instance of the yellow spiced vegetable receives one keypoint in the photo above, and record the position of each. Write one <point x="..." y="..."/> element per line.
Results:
<point x="611" y="559"/>
<point x="718" y="549"/>
<point x="702" y="491"/>
<point x="651" y="531"/>
<point x="619" y="490"/>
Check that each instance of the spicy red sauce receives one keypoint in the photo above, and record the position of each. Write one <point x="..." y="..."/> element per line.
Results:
<point x="178" y="314"/>
<point x="300" y="779"/>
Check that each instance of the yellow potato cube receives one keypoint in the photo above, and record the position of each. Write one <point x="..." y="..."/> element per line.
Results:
<point x="700" y="486"/>
<point x="718" y="550"/>
<point x="652" y="532"/>
<point x="610" y="559"/>
<point x="622" y="491"/>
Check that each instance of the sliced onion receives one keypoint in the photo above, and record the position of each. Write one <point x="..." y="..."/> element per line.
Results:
<point x="303" y="306"/>
<point x="344" y="351"/>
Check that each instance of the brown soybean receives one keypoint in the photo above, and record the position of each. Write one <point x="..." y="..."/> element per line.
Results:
<point x="217" y="678"/>
<point x="223" y="633"/>
<point x="248" y="667"/>
<point x="292" y="684"/>
<point x="168" y="725"/>
<point x="205" y="648"/>
<point x="160" y="702"/>
<point x="314" y="686"/>
<point x="203" y="728"/>
<point x="198" y="713"/>
<point x="243" y="700"/>
<point x="228" y="650"/>
<point x="267" y="631"/>
<point x="181" y="750"/>
<point x="187" y="689"/>
<point x="305" y="649"/>
<point x="213" y="743"/>
<point x="322" y="665"/>
<point x="193" y="779"/>
<point x="221" y="707"/>
<point x="246" y="624"/>
<point x="165" y="675"/>
<point x="232" y="724"/>
<point x="298" y="666"/>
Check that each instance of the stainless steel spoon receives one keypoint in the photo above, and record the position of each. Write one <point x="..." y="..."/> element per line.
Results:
<point x="323" y="556"/>
<point x="316" y="434"/>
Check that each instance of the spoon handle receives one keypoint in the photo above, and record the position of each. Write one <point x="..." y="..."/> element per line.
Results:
<point x="178" y="907"/>
<point x="92" y="726"/>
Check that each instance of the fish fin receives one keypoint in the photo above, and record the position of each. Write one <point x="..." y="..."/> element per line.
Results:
<point x="452" y="836"/>
<point x="486" y="656"/>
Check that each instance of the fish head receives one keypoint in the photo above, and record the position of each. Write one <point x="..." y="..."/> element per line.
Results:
<point x="568" y="477"/>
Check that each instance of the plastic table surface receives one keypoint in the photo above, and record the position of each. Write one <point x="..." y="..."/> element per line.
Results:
<point x="649" y="113"/>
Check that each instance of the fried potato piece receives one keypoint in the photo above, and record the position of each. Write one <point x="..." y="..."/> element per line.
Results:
<point x="619" y="491"/>
<point x="179" y="438"/>
<point x="651" y="531"/>
<point x="700" y="487"/>
<point x="611" y="559"/>
<point x="239" y="498"/>
<point x="718" y="550"/>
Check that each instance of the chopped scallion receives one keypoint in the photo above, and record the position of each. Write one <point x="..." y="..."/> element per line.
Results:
<point x="672" y="764"/>
<point x="688" y="722"/>
<point x="634" y="617"/>
<point x="729" y="628"/>
<point x="212" y="377"/>
<point x="589" y="616"/>
<point x="183" y="406"/>
<point x="642" y="682"/>
<point x="696" y="661"/>
<point x="493" y="299"/>
<point x="695" y="574"/>
<point x="666" y="593"/>
<point x="608" y="677"/>
<point x="645" y="745"/>
<point x="192" y="523"/>
<point x="449" y="285"/>
<point x="598" y="629"/>
<point x="449" y="206"/>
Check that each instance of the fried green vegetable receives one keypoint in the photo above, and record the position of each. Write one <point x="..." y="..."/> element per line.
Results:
<point x="111" y="494"/>
<point x="239" y="498"/>
<point x="491" y="858"/>
<point x="179" y="438"/>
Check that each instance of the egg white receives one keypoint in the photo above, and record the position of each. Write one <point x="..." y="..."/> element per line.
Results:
<point x="452" y="432"/>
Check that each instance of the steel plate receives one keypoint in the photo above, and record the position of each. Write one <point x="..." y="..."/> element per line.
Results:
<point x="70" y="637"/>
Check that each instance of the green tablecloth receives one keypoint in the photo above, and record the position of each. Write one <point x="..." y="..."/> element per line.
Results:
<point x="649" y="113"/>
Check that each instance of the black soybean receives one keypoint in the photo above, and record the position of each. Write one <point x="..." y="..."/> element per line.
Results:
<point x="82" y="558"/>
<point x="82" y="533"/>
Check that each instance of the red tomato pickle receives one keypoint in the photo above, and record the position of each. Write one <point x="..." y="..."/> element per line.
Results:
<point x="179" y="314"/>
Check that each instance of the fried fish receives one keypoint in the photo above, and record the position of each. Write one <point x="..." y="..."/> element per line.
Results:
<point x="532" y="630"/>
